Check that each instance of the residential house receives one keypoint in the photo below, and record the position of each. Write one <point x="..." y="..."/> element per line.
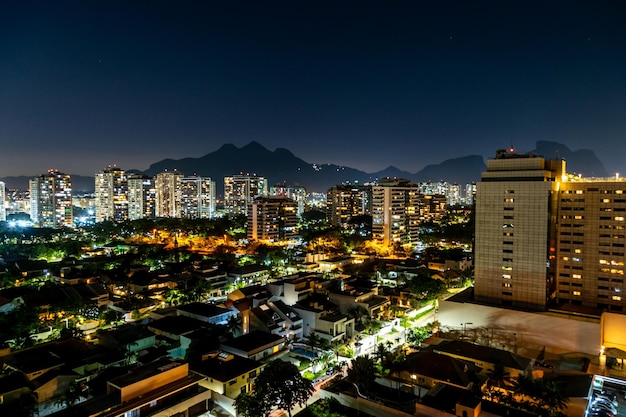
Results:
<point x="255" y="345"/>
<point x="227" y="376"/>
<point x="323" y="317"/>
<point x="209" y="313"/>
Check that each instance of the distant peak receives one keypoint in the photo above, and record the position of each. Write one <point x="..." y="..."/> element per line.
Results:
<point x="254" y="145"/>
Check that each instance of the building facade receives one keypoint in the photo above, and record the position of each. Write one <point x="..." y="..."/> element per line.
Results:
<point x="295" y="192"/>
<point x="3" y="198"/>
<point x="515" y="231"/>
<point x="141" y="197"/>
<point x="343" y="202"/>
<point x="167" y="185"/>
<point x="111" y="194"/>
<point x="197" y="197"/>
<point x="51" y="200"/>
<point x="395" y="212"/>
<point x="240" y="190"/>
<point x="272" y="218"/>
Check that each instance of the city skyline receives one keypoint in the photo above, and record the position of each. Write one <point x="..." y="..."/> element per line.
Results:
<point x="85" y="86"/>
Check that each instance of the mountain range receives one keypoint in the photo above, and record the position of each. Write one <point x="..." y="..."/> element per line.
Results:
<point x="282" y="166"/>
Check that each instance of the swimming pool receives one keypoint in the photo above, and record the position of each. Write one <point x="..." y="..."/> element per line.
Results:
<point x="307" y="353"/>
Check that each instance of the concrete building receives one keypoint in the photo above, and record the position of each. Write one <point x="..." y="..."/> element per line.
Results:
<point x="343" y="202"/>
<point x="395" y="212"/>
<point x="141" y="197"/>
<point x="272" y="218"/>
<point x="240" y="190"/>
<point x="3" y="212"/>
<point x="515" y="230"/>
<point x="197" y="197"/>
<point x="295" y="192"/>
<point x="111" y="194"/>
<point x="51" y="200"/>
<point x="167" y="186"/>
<point x="548" y="238"/>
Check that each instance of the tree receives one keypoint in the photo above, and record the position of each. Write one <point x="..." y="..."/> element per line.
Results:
<point x="252" y="405"/>
<point x="292" y="390"/>
<point x="362" y="372"/>
<point x="498" y="376"/>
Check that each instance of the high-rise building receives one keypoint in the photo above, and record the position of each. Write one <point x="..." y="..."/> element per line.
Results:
<point x="51" y="200"/>
<point x="197" y="195"/>
<point x="343" y="202"/>
<point x="272" y="218"/>
<point x="240" y="190"/>
<point x="590" y="243"/>
<point x="167" y="186"/>
<point x="395" y="211"/>
<point x="111" y="194"/>
<point x="516" y="230"/>
<point x="3" y="212"/>
<point x="141" y="197"/>
<point x="295" y="192"/>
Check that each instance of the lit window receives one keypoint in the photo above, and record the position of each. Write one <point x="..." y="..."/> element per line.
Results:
<point x="576" y="293"/>
<point x="578" y="217"/>
<point x="619" y="219"/>
<point x="616" y="298"/>
<point x="577" y="276"/>
<point x="605" y="200"/>
<point x="578" y="251"/>
<point x="506" y="276"/>
<point x="579" y="191"/>
<point x="566" y="258"/>
<point x="507" y="284"/>
<point x="604" y="262"/>
<point x="575" y="259"/>
<point x="508" y="200"/>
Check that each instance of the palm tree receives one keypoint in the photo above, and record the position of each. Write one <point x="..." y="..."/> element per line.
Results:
<point x="233" y="326"/>
<point x="362" y="372"/>
<point x="498" y="376"/>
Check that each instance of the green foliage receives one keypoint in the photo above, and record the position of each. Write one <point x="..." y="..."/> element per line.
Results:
<point x="293" y="389"/>
<point x="362" y="372"/>
<point x="323" y="408"/>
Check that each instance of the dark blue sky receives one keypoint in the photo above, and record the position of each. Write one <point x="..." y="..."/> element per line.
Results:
<point x="366" y="84"/>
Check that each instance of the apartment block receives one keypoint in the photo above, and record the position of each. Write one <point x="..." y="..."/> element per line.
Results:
<point x="272" y="218"/>
<point x="197" y="197"/>
<point x="395" y="211"/>
<point x="167" y="186"/>
<point x="240" y="190"/>
<point x="345" y="201"/>
<point x="111" y="194"/>
<point x="51" y="200"/>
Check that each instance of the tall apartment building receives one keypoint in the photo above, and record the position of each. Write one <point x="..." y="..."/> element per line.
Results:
<point x="295" y="192"/>
<point x="590" y="243"/>
<point x="111" y="194"/>
<point x="197" y="197"/>
<point x="3" y="201"/>
<point x="433" y="207"/>
<point x="272" y="218"/>
<point x="240" y="190"/>
<point x="167" y="186"/>
<point x="51" y="200"/>
<point x="395" y="211"/>
<point x="514" y="251"/>
<point x="141" y="197"/>
<point x="343" y="202"/>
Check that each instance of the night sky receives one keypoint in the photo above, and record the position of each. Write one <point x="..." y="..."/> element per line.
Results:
<point x="86" y="84"/>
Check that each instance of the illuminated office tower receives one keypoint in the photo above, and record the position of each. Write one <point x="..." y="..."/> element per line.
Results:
<point x="51" y="200"/>
<point x="141" y="197"/>
<point x="295" y="192"/>
<point x="272" y="218"/>
<point x="515" y="234"/>
<point x="395" y="212"/>
<point x="343" y="202"/>
<point x="240" y="190"/>
<point x="111" y="194"/>
<point x="167" y="186"/>
<point x="197" y="197"/>
<point x="3" y="212"/>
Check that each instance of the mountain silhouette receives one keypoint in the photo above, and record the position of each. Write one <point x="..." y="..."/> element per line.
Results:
<point x="281" y="166"/>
